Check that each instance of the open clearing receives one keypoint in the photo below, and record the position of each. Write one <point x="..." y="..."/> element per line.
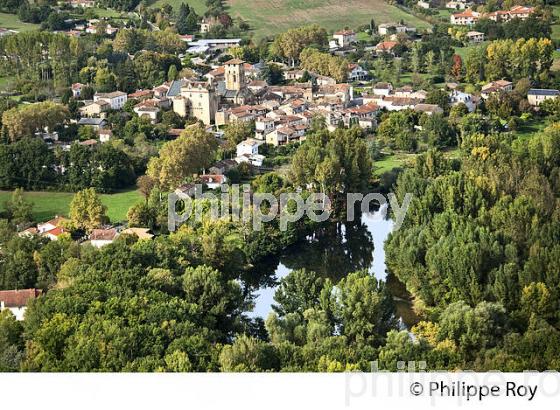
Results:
<point x="49" y="204"/>
<point x="268" y="17"/>
<point x="11" y="22"/>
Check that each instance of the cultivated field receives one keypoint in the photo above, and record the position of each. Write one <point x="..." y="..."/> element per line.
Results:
<point x="49" y="204"/>
<point x="273" y="16"/>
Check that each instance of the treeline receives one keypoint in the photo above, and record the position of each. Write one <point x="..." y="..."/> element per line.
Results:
<point x="510" y="59"/>
<point x="486" y="235"/>
<point x="31" y="164"/>
<point x="536" y="26"/>
<point x="45" y="63"/>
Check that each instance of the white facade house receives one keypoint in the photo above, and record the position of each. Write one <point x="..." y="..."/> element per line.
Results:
<point x="394" y="28"/>
<point x="147" y="111"/>
<point x="465" y="18"/>
<point x="16" y="301"/>
<point x="356" y="73"/>
<point x="248" y="147"/>
<point x="344" y="37"/>
<point x="116" y="99"/>
<point x="382" y="89"/>
<point x="103" y="237"/>
<point x="475" y="37"/>
<point x="263" y="127"/>
<point x="77" y="90"/>
<point x="213" y="181"/>
<point x="458" y="97"/>
<point x="536" y="96"/>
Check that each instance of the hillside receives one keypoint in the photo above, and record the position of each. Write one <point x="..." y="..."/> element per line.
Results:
<point x="274" y="16"/>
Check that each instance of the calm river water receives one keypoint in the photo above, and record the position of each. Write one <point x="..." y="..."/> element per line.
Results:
<point x="333" y="251"/>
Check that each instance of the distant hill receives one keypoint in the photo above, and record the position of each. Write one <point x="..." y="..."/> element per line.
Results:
<point x="274" y="16"/>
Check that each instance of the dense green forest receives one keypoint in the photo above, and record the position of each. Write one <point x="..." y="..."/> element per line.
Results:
<point x="480" y="243"/>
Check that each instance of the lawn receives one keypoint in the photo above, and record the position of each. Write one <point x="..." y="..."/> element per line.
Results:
<point x="11" y="22"/>
<point x="392" y="161"/>
<point x="531" y="127"/>
<point x="49" y="204"/>
<point x="463" y="51"/>
<point x="269" y="17"/>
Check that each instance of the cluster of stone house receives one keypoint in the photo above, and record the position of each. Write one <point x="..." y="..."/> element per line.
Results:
<point x="102" y="102"/>
<point x="232" y="92"/>
<point x="89" y="27"/>
<point x="535" y="96"/>
<point x="56" y="227"/>
<point x="469" y="17"/>
<point x="383" y="95"/>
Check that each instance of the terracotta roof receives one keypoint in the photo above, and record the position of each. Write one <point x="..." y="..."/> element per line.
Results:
<point x="386" y="45"/>
<point x="364" y="109"/>
<point x="18" y="298"/>
<point x="140" y="93"/>
<point x="383" y="86"/>
<point x="89" y="142"/>
<point x="234" y="61"/>
<point x="113" y="94"/>
<point x="55" y="232"/>
<point x="213" y="179"/>
<point x="467" y="13"/>
<point x="57" y="221"/>
<point x="286" y="130"/>
<point x="142" y="233"/>
<point x="29" y="231"/>
<point x="103" y="234"/>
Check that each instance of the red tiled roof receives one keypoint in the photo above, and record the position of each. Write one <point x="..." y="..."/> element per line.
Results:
<point x="140" y="93"/>
<point x="386" y="45"/>
<point x="103" y="234"/>
<point x="56" y="221"/>
<point x="55" y="232"/>
<point x="364" y="109"/>
<point x="18" y="298"/>
<point x="235" y="61"/>
<point x="213" y="179"/>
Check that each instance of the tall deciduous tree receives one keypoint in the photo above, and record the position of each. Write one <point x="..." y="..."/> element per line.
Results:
<point x="25" y="120"/>
<point x="87" y="211"/>
<point x="20" y="211"/>
<point x="178" y="160"/>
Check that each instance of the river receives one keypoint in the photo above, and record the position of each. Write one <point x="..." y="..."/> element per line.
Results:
<point x="333" y="251"/>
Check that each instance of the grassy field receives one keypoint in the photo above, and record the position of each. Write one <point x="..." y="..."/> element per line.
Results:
<point x="389" y="162"/>
<point x="11" y="22"/>
<point x="49" y="204"/>
<point x="531" y="127"/>
<point x="464" y="51"/>
<point x="269" y="17"/>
